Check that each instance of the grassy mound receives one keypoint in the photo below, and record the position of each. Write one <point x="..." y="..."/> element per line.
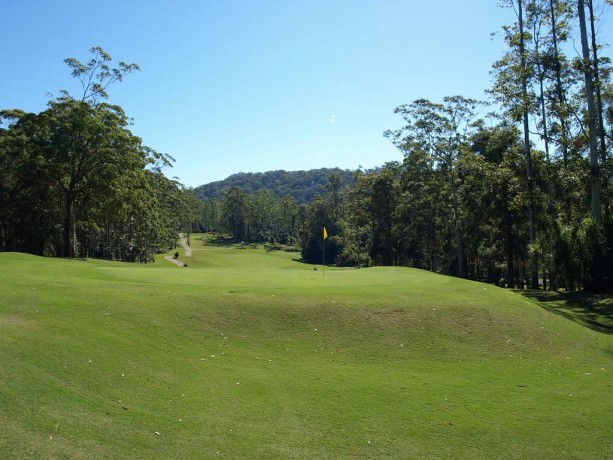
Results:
<point x="248" y="354"/>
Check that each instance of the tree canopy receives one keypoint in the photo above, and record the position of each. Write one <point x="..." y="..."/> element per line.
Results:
<point x="78" y="182"/>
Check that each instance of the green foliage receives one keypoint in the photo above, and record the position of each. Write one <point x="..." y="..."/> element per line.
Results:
<point x="96" y="75"/>
<point x="80" y="184"/>
<point x="585" y="255"/>
<point x="261" y="217"/>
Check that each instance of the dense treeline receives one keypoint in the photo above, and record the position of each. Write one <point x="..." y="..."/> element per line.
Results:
<point x="75" y="182"/>
<point x="303" y="186"/>
<point x="520" y="198"/>
<point x="258" y="217"/>
<point x="477" y="198"/>
<point x="264" y="217"/>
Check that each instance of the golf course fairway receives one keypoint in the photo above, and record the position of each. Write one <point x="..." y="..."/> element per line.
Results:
<point x="247" y="353"/>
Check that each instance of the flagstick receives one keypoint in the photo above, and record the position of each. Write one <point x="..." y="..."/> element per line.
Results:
<point x="323" y="259"/>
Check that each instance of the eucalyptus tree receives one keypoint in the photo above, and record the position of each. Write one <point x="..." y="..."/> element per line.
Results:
<point x="557" y="65"/>
<point x="211" y="218"/>
<point x="86" y="142"/>
<point x="591" y="108"/>
<point x="81" y="182"/>
<point x="511" y="90"/>
<point x="28" y="204"/>
<point x="235" y="205"/>
<point x="288" y="219"/>
<point x="383" y="202"/>
<point x="85" y="150"/>
<point x="334" y="196"/>
<point x="357" y="225"/>
<point x="536" y="20"/>
<point x="600" y="77"/>
<point x="96" y="75"/>
<point x="440" y="130"/>
<point x="263" y="217"/>
<point x="493" y="192"/>
<point x="422" y="214"/>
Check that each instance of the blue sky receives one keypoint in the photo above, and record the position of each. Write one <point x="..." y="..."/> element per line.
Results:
<point x="245" y="85"/>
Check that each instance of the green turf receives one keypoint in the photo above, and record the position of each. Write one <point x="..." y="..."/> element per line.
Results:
<point x="249" y="354"/>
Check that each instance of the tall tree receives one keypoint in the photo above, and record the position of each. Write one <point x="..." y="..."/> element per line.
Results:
<point x="80" y="183"/>
<point x="598" y="83"/>
<point x="525" y="113"/>
<point x="83" y="147"/>
<point x="591" y="111"/>
<point x="441" y="129"/>
<point x="512" y="74"/>
<point x="558" y="10"/>
<point x="236" y="212"/>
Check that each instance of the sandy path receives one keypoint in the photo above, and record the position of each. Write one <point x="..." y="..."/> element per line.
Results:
<point x="174" y="261"/>
<point x="188" y="251"/>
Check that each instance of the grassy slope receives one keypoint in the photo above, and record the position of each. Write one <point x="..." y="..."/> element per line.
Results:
<point x="249" y="354"/>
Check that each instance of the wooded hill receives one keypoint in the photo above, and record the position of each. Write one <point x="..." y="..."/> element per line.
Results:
<point x="303" y="186"/>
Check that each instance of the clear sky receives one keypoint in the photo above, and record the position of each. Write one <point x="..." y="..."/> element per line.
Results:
<point x="256" y="85"/>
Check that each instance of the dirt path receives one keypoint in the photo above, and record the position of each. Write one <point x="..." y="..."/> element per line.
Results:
<point x="188" y="251"/>
<point x="174" y="261"/>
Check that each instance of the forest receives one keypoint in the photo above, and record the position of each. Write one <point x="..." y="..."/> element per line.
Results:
<point x="520" y="197"/>
<point x="514" y="190"/>
<point x="303" y="186"/>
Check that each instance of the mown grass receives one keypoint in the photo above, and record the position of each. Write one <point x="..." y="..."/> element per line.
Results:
<point x="248" y="354"/>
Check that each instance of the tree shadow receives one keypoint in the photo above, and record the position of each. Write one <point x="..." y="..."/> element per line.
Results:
<point x="591" y="310"/>
<point x="270" y="247"/>
<point x="222" y="241"/>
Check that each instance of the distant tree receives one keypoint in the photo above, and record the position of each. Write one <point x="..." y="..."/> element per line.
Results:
<point x="303" y="186"/>
<point x="236" y="204"/>
<point x="357" y="224"/>
<point x="287" y="220"/>
<point x="263" y="217"/>
<point x="211" y="219"/>
<point x="311" y="235"/>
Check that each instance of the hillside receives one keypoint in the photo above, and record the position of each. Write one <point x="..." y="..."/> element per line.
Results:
<point x="247" y="353"/>
<point x="302" y="185"/>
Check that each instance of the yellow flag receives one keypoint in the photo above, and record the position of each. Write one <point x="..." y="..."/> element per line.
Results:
<point x="325" y="234"/>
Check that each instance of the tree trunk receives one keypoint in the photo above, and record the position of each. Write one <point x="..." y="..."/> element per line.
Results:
<point x="591" y="112"/>
<point x="68" y="226"/>
<point x="600" y="115"/>
<point x="509" y="249"/>
<point x="456" y="224"/>
<point x="524" y="84"/>
<point x="561" y="104"/>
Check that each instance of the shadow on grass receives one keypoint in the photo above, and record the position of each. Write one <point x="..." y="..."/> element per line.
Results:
<point x="270" y="247"/>
<point x="592" y="310"/>
<point x="224" y="241"/>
